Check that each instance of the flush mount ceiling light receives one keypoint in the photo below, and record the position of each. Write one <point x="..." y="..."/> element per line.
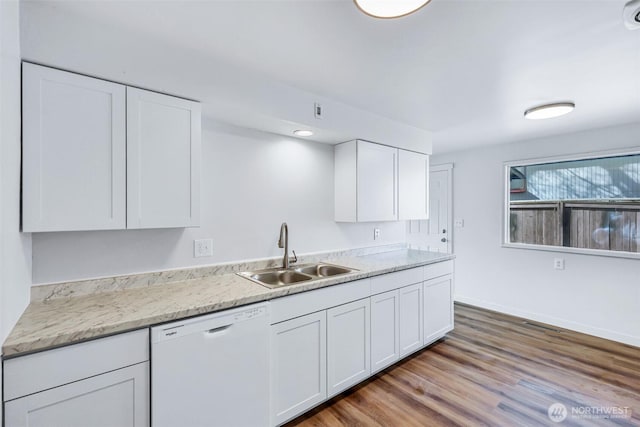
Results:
<point x="302" y="132"/>
<point x="631" y="15"/>
<point x="389" y="8"/>
<point x="549" y="111"/>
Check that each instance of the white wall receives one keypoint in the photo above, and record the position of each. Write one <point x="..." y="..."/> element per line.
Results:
<point x="251" y="182"/>
<point x="594" y="294"/>
<point x="15" y="248"/>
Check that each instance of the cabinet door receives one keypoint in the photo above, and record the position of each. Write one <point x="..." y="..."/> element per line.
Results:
<point x="348" y="345"/>
<point x="298" y="365"/>
<point x="74" y="148"/>
<point x="410" y="318"/>
<point x="117" y="398"/>
<point x="384" y="330"/>
<point x="438" y="307"/>
<point x="413" y="174"/>
<point x="377" y="182"/>
<point x="163" y="160"/>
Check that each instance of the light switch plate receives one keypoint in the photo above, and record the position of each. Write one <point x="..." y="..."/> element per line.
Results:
<point x="458" y="223"/>
<point x="202" y="248"/>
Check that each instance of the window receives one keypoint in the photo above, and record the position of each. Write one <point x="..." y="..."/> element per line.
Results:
<point x="587" y="204"/>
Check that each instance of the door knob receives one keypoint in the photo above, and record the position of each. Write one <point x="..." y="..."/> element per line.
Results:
<point x="443" y="240"/>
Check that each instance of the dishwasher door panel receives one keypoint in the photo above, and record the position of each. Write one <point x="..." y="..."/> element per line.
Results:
<point x="212" y="370"/>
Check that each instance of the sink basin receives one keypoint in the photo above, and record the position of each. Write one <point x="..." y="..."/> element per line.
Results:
<point x="277" y="277"/>
<point x="323" y="270"/>
<point x="274" y="278"/>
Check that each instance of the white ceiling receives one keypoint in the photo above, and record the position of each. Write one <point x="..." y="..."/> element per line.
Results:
<point x="465" y="70"/>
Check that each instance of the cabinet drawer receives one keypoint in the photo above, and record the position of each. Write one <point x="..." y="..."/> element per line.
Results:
<point x="309" y="302"/>
<point x="398" y="279"/>
<point x="438" y="269"/>
<point x="40" y="371"/>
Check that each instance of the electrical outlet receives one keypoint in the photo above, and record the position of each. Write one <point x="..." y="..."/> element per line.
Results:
<point x="376" y="233"/>
<point x="458" y="223"/>
<point x="558" y="263"/>
<point x="202" y="248"/>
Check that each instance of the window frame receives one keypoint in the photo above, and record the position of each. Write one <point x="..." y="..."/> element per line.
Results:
<point x="507" y="165"/>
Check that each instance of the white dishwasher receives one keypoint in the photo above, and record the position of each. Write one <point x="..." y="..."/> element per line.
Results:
<point x="212" y="370"/>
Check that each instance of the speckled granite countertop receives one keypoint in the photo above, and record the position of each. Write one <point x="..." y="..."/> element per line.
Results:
<point x="63" y="320"/>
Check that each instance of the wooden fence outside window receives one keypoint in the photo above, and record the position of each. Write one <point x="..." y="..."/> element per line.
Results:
<point x="592" y="224"/>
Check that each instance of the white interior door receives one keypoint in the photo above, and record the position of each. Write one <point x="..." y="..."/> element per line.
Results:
<point x="435" y="233"/>
<point x="440" y="209"/>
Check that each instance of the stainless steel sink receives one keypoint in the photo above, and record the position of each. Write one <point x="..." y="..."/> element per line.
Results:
<point x="278" y="277"/>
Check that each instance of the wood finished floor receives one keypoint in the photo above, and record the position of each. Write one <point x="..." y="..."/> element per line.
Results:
<point x="493" y="370"/>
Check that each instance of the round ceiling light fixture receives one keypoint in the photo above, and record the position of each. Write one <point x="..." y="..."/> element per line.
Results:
<point x="302" y="132"/>
<point x="389" y="8"/>
<point x="631" y="15"/>
<point x="549" y="111"/>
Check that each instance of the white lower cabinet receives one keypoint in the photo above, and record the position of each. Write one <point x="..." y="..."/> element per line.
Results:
<point x="330" y="339"/>
<point x="384" y="330"/>
<point x="348" y="345"/>
<point x="118" y="398"/>
<point x="438" y="307"/>
<point x="99" y="383"/>
<point x="298" y="365"/>
<point x="410" y="308"/>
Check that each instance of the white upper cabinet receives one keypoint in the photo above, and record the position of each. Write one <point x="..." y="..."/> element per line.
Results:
<point x="74" y="151"/>
<point x="163" y="164"/>
<point x="99" y="155"/>
<point x="375" y="182"/>
<point x="413" y="170"/>
<point x="365" y="182"/>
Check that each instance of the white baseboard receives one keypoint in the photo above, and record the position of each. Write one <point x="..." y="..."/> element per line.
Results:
<point x="555" y="321"/>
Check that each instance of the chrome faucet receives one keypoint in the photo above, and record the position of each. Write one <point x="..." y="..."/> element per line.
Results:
<point x="283" y="242"/>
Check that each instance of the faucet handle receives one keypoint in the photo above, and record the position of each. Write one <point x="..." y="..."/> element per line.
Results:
<point x="295" y="258"/>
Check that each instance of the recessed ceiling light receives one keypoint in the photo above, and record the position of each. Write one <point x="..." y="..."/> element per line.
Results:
<point x="389" y="8"/>
<point x="549" y="111"/>
<point x="302" y="132"/>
